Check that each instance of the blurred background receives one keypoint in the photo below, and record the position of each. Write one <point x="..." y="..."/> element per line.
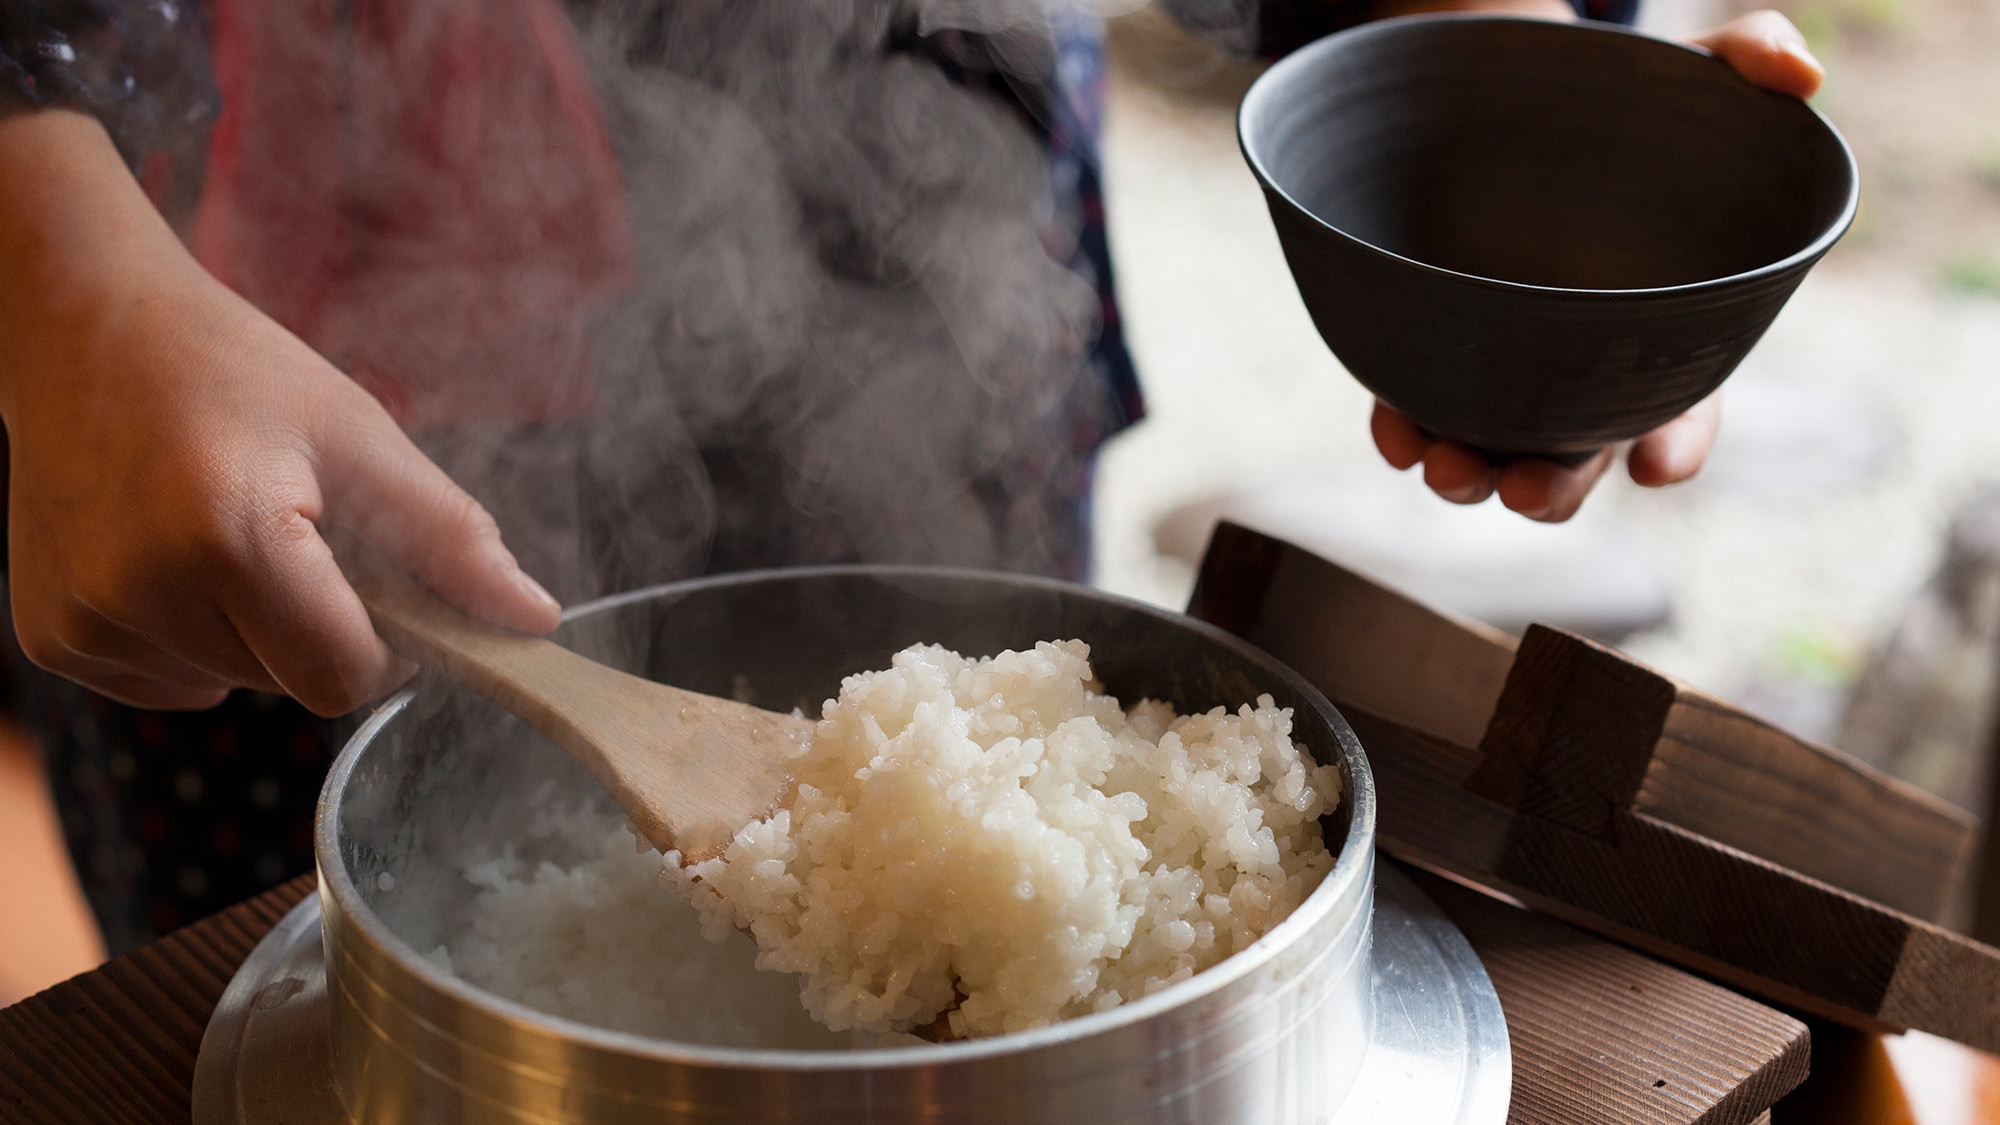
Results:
<point x="1836" y="567"/>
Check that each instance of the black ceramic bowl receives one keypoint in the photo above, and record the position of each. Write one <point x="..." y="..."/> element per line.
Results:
<point x="1537" y="237"/>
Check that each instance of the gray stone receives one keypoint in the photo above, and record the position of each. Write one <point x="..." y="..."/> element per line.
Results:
<point x="1588" y="575"/>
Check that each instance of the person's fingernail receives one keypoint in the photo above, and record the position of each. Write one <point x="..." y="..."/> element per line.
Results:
<point x="1470" y="494"/>
<point x="1791" y="41"/>
<point x="535" y="591"/>
<point x="401" y="671"/>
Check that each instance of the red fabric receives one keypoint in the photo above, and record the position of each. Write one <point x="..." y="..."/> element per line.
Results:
<point x="425" y="195"/>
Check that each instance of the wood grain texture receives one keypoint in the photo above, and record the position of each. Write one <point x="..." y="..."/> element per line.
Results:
<point x="1433" y="670"/>
<point x="1603" y="1034"/>
<point x="118" y="1044"/>
<point x="1582" y="730"/>
<point x="1574" y="796"/>
<point x="1686" y="898"/>
<point x="1575" y="730"/>
<point x="1737" y="779"/>
<point x="690" y="769"/>
<point x="1949" y="985"/>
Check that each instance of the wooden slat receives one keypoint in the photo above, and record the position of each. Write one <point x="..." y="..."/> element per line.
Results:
<point x="1606" y="730"/>
<point x="118" y="1044"/>
<point x="1735" y="778"/>
<point x="1684" y="897"/>
<point x="1395" y="656"/>
<point x="1602" y="1034"/>
<point x="1574" y="718"/>
<point x="1572" y="734"/>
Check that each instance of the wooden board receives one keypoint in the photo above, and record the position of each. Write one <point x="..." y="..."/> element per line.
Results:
<point x="118" y="1044"/>
<point x="1603" y="728"/>
<point x="1684" y="897"/>
<point x="1433" y="670"/>
<point x="1548" y="807"/>
<point x="1593" y="1026"/>
<point x="1603" y="1034"/>
<point x="1613" y="732"/>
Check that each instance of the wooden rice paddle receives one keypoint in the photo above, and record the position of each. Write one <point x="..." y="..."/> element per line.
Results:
<point x="690" y="769"/>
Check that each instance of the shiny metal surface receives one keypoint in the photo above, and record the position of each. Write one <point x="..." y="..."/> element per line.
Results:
<point x="1274" y="1035"/>
<point x="1437" y="1053"/>
<point x="265" y="1058"/>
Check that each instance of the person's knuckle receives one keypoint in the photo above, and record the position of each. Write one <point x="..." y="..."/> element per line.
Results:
<point x="249" y="544"/>
<point x="41" y="644"/>
<point x="85" y="628"/>
<point x="463" y="515"/>
<point x="332" y="695"/>
<point x="154" y="695"/>
<point x="458" y="523"/>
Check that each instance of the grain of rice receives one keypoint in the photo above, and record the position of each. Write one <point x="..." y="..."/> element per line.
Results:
<point x="996" y="840"/>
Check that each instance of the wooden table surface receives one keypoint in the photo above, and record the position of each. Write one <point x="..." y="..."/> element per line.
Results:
<point x="1599" y="1033"/>
<point x="118" y="1044"/>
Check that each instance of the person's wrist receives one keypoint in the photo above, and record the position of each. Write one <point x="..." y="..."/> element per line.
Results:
<point x="73" y="221"/>
<point x="84" y="246"/>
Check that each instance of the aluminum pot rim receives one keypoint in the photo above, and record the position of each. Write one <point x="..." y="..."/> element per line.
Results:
<point x="1261" y="91"/>
<point x="1350" y="865"/>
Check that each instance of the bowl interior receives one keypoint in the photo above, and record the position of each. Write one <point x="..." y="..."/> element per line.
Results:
<point x="1547" y="154"/>
<point x="451" y="776"/>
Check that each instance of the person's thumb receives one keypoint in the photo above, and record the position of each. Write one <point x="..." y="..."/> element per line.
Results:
<point x="382" y="488"/>
<point x="1767" y="49"/>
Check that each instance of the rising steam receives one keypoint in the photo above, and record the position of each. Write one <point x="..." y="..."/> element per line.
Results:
<point x="849" y="334"/>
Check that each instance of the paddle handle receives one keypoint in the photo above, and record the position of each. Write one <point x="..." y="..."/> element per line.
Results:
<point x="421" y="627"/>
<point x="690" y="769"/>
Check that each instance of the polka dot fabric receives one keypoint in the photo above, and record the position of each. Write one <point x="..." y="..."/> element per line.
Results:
<point x="173" y="816"/>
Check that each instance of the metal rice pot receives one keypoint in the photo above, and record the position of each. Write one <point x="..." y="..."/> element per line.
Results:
<point x="1275" y="1034"/>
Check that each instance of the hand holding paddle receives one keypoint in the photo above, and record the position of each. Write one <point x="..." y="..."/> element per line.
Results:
<point x="690" y="769"/>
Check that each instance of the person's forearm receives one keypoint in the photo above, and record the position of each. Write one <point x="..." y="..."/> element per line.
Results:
<point x="72" y="221"/>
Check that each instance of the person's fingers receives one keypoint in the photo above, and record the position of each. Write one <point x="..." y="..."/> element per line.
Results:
<point x="211" y="643"/>
<point x="151" y="680"/>
<point x="119" y="663"/>
<point x="386" y="490"/>
<point x="1765" y="48"/>
<point x="205" y="658"/>
<point x="149" y="694"/>
<point x="294" y="608"/>
<point x="92" y="613"/>
<point x="192" y="632"/>
<point x="1543" y="490"/>
<point x="1675" y="451"/>
<point x="1397" y="438"/>
<point x="1458" y="473"/>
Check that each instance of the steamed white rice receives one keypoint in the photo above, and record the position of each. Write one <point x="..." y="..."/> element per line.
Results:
<point x="597" y="941"/>
<point x="996" y="841"/>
